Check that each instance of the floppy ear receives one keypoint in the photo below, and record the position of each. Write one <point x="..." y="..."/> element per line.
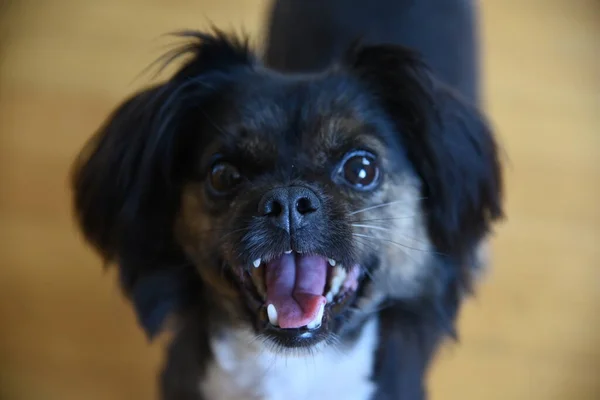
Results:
<point x="127" y="180"/>
<point x="447" y="140"/>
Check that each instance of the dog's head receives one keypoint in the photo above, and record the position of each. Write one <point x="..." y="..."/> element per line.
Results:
<point x="292" y="204"/>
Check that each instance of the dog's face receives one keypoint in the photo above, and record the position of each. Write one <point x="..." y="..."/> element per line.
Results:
<point x="303" y="195"/>
<point x="292" y="204"/>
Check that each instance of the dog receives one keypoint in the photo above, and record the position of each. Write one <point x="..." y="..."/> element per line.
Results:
<point x="307" y="222"/>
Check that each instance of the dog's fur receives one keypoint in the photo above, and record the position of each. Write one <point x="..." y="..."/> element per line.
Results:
<point x="143" y="200"/>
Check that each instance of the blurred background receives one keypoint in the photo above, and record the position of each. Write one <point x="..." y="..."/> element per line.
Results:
<point x="532" y="332"/>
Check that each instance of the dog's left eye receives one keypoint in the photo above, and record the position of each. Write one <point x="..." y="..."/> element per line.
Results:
<point x="223" y="178"/>
<point x="359" y="169"/>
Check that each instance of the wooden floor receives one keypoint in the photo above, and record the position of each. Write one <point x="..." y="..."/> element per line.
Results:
<point x="533" y="332"/>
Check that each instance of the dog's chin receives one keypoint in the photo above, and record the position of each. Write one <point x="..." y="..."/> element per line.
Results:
<point x="298" y="300"/>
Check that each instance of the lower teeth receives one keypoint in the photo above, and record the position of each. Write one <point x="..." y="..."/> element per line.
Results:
<point x="336" y="284"/>
<point x="315" y="323"/>
<point x="272" y="314"/>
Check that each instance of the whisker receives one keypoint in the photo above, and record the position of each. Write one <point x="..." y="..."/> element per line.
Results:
<point x="376" y="206"/>
<point x="232" y="232"/>
<point x="386" y="219"/>
<point x="366" y="243"/>
<point x="380" y="228"/>
<point x="381" y="205"/>
<point x="404" y="250"/>
<point x="364" y="269"/>
<point x="400" y="245"/>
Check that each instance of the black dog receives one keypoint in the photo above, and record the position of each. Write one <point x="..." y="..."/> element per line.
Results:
<point x="310" y="223"/>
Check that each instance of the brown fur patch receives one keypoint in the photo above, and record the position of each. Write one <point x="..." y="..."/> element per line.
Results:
<point x="197" y="234"/>
<point x="398" y="232"/>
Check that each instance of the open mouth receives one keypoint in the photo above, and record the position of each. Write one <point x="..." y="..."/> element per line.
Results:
<point x="299" y="292"/>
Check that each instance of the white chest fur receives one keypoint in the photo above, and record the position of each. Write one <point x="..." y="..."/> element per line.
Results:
<point x="245" y="368"/>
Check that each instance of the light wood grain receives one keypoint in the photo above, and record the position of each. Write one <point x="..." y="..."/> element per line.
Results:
<point x="533" y="332"/>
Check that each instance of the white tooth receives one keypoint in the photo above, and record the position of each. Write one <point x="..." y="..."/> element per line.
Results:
<point x="331" y="262"/>
<point x="315" y="323"/>
<point x="336" y="284"/>
<point x="329" y="297"/>
<point x="289" y="251"/>
<point x="272" y="314"/>
<point x="338" y="277"/>
<point x="339" y="272"/>
<point x="256" y="263"/>
<point x="336" y="281"/>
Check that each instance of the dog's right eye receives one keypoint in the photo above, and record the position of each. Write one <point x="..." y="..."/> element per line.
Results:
<point x="223" y="178"/>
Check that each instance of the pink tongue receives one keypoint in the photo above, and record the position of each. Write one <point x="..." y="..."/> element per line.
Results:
<point x="295" y="286"/>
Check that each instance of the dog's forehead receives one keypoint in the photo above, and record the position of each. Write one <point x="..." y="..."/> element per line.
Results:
<point x="300" y="118"/>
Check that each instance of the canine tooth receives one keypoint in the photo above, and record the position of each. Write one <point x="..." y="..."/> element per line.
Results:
<point x="315" y="323"/>
<point x="289" y="251"/>
<point x="338" y="277"/>
<point x="331" y="262"/>
<point x="256" y="263"/>
<point x="336" y="284"/>
<point x="272" y="314"/>
<point x="339" y="272"/>
<point x="336" y="281"/>
<point x="329" y="296"/>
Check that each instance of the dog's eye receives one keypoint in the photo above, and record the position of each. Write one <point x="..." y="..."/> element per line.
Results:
<point x="223" y="178"/>
<point x="359" y="169"/>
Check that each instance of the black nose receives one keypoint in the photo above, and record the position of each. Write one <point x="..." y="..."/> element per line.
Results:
<point x="290" y="208"/>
